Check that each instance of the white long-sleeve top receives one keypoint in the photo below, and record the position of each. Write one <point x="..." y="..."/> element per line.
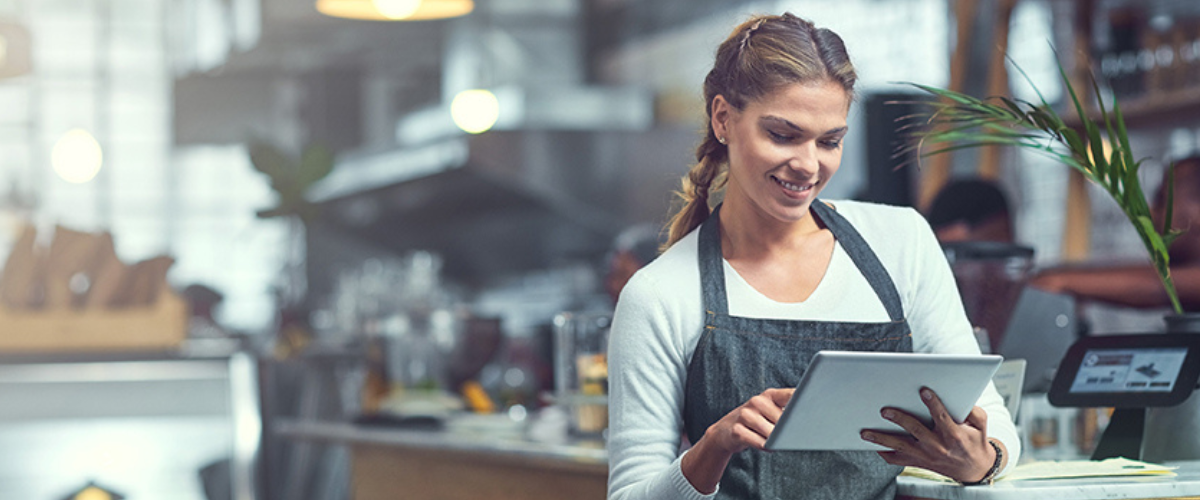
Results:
<point x="660" y="316"/>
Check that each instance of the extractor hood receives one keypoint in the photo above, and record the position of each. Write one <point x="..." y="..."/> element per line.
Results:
<point x="506" y="201"/>
<point x="548" y="183"/>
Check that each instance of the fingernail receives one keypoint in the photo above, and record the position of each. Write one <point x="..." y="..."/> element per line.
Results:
<point x="868" y="436"/>
<point x="889" y="414"/>
<point x="926" y="394"/>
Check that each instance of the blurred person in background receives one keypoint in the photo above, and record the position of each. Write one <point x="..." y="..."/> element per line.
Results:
<point x="635" y="247"/>
<point x="971" y="219"/>
<point x="709" y="339"/>
<point x="971" y="210"/>
<point x="1138" y="285"/>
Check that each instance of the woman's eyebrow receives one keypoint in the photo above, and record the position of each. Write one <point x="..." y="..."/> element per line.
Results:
<point x="788" y="123"/>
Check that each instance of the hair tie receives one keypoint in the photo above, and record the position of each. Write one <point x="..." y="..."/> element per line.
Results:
<point x="746" y="35"/>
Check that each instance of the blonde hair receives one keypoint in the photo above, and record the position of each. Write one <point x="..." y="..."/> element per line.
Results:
<point x="762" y="55"/>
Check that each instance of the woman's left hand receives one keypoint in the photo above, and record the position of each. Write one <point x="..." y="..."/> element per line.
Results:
<point x="959" y="451"/>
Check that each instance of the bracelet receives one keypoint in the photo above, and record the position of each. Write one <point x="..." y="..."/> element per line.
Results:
<point x="991" y="473"/>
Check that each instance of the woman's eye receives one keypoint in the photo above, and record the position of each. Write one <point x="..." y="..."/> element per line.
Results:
<point x="831" y="143"/>
<point x="777" y="137"/>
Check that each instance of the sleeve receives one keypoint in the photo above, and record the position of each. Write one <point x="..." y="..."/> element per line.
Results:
<point x="936" y="311"/>
<point x="647" y="369"/>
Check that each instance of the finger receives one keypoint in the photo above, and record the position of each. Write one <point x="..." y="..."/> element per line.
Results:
<point x="755" y="421"/>
<point x="897" y="458"/>
<point x="766" y="407"/>
<point x="909" y="423"/>
<point x="895" y="442"/>
<point x="937" y="410"/>
<point x="750" y="437"/>
<point x="978" y="419"/>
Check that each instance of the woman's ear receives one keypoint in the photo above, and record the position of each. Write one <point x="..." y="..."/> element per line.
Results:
<point x="721" y="112"/>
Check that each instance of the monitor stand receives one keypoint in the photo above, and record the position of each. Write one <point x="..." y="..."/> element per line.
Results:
<point x="1123" y="436"/>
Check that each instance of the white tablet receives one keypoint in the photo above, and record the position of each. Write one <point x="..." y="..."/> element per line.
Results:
<point x="842" y="393"/>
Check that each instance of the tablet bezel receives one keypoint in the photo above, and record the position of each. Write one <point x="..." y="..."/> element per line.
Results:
<point x="972" y="373"/>
<point x="1185" y="382"/>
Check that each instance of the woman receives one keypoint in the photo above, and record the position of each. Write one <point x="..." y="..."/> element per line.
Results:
<point x="707" y="353"/>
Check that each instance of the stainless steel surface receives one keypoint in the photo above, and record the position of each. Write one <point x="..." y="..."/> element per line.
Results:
<point x="503" y="444"/>
<point x="141" y="426"/>
<point x="247" y="425"/>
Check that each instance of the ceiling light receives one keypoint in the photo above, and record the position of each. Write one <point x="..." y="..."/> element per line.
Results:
<point x="395" y="10"/>
<point x="475" y="111"/>
<point x="76" y="157"/>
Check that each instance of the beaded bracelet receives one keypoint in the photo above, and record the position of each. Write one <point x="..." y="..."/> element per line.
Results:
<point x="991" y="473"/>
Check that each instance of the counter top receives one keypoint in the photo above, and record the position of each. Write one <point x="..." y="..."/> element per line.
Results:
<point x="1185" y="484"/>
<point x="507" y="445"/>
<point x="511" y="447"/>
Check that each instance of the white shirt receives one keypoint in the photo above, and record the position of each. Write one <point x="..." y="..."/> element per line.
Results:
<point x="659" y="319"/>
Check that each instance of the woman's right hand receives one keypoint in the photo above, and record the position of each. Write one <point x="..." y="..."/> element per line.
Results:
<point x="749" y="425"/>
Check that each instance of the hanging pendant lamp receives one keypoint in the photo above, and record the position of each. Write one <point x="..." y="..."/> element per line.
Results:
<point x="395" y="10"/>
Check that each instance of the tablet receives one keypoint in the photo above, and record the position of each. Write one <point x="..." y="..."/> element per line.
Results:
<point x="842" y="393"/>
<point x="1128" y="371"/>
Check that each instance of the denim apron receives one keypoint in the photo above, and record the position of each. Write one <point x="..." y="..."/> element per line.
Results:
<point x="737" y="358"/>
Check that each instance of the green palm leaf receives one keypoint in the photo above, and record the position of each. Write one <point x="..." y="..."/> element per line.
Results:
<point x="958" y="121"/>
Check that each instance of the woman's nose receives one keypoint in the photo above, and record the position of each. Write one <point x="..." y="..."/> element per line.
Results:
<point x="804" y="158"/>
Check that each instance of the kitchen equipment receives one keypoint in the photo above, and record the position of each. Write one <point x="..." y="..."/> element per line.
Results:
<point x="990" y="278"/>
<point x="581" y="369"/>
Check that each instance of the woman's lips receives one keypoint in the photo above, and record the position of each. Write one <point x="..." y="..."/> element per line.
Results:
<point x="793" y="187"/>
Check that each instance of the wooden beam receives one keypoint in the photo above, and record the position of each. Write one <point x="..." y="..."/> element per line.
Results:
<point x="937" y="171"/>
<point x="990" y="156"/>
<point x="1077" y="230"/>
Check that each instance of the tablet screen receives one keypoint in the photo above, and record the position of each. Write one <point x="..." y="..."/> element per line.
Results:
<point x="1129" y="370"/>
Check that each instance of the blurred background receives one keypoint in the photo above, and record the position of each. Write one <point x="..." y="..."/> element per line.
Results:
<point x="242" y="238"/>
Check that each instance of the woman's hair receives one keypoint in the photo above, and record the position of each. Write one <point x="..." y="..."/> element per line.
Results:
<point x="761" y="56"/>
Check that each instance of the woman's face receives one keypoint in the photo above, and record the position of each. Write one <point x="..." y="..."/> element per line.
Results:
<point x="784" y="147"/>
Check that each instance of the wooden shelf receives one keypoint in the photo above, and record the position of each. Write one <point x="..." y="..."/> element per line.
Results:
<point x="1173" y="108"/>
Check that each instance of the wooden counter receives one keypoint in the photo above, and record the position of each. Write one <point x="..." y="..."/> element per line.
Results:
<point x="391" y="463"/>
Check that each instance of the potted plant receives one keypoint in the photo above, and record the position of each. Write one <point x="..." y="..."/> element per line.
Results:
<point x="958" y="121"/>
<point x="291" y="177"/>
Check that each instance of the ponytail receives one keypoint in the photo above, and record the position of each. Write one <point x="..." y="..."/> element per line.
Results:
<point x="705" y="176"/>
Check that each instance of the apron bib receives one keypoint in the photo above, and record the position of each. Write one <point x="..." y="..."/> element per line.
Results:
<point x="737" y="358"/>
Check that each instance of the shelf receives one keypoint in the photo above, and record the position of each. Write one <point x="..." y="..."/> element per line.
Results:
<point x="1174" y="108"/>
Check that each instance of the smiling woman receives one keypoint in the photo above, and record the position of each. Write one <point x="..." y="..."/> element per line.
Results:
<point x="708" y="340"/>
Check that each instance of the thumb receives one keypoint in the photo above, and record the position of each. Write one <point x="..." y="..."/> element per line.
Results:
<point x="781" y="396"/>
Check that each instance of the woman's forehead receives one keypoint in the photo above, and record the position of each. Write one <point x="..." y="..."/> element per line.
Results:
<point x="823" y="100"/>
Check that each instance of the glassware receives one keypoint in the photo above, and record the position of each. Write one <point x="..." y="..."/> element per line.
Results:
<point x="581" y="369"/>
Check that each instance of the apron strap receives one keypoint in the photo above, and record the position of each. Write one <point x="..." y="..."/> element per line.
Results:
<point x="862" y="255"/>
<point x="712" y="268"/>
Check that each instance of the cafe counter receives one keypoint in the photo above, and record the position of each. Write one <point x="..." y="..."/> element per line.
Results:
<point x="393" y="463"/>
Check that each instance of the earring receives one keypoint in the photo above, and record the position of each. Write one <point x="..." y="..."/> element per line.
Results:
<point x="721" y="140"/>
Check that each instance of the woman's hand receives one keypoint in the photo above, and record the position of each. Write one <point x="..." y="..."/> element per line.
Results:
<point x="747" y="426"/>
<point x="959" y="451"/>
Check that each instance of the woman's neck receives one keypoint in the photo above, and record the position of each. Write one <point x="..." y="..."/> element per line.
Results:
<point x="748" y="233"/>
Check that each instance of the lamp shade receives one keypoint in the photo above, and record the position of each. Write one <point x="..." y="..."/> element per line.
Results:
<point x="395" y="10"/>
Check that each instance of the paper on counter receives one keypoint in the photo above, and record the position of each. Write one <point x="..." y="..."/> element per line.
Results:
<point x="1064" y="469"/>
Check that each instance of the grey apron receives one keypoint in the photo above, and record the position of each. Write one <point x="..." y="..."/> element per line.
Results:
<point x="737" y="358"/>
